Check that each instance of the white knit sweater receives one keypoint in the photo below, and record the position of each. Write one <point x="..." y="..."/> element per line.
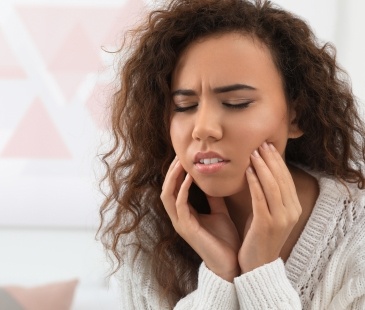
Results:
<point x="325" y="270"/>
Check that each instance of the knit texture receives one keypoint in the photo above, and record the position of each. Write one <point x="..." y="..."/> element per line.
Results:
<point x="325" y="270"/>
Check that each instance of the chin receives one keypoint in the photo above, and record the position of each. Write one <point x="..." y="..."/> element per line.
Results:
<point x="220" y="190"/>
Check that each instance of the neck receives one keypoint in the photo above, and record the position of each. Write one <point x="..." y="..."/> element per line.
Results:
<point x="240" y="208"/>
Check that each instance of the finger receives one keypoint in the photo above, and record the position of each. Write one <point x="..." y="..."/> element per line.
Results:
<point x="276" y="164"/>
<point x="217" y="205"/>
<point x="168" y="194"/>
<point x="281" y="174"/>
<point x="182" y="205"/>
<point x="171" y="167"/>
<point x="179" y="180"/>
<point x="268" y="183"/>
<point x="172" y="176"/>
<point x="259" y="203"/>
<point x="248" y="224"/>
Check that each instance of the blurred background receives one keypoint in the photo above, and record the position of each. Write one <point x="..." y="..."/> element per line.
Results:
<point x="56" y="79"/>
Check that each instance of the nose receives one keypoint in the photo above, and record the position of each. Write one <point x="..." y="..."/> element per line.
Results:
<point x="208" y="125"/>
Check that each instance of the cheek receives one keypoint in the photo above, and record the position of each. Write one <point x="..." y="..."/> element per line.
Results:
<point x="277" y="133"/>
<point x="179" y="134"/>
<point x="270" y="127"/>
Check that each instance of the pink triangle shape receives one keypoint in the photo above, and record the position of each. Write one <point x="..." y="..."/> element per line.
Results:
<point x="43" y="23"/>
<point x="9" y="67"/>
<point x="69" y="83"/>
<point x="76" y="54"/>
<point x="36" y="137"/>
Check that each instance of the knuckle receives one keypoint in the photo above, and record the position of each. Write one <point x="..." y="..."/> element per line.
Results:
<point x="177" y="229"/>
<point x="297" y="215"/>
<point x="176" y="226"/>
<point x="292" y="218"/>
<point x="163" y="196"/>
<point x="298" y="212"/>
<point x="260" y="197"/>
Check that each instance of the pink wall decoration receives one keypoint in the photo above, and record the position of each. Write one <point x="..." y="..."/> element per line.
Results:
<point x="9" y="66"/>
<point x="56" y="81"/>
<point x="36" y="137"/>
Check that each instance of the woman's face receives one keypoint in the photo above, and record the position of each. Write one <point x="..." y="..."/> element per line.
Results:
<point x="227" y="98"/>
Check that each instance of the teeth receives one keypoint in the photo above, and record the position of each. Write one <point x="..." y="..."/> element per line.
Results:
<point x="209" y="161"/>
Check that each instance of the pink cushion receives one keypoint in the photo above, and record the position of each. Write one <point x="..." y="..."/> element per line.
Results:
<point x="55" y="296"/>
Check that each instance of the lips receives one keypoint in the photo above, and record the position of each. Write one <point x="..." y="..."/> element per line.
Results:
<point x="209" y="163"/>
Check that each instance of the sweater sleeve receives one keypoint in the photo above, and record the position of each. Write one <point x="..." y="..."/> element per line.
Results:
<point x="213" y="292"/>
<point x="267" y="287"/>
<point x="141" y="291"/>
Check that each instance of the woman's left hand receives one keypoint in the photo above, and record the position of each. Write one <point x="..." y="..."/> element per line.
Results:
<point x="275" y="205"/>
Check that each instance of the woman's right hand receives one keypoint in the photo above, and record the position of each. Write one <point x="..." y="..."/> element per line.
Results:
<point x="213" y="236"/>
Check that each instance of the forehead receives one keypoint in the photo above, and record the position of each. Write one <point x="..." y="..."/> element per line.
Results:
<point x="216" y="58"/>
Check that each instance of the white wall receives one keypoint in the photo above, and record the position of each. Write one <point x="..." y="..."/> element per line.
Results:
<point x="341" y="22"/>
<point x="351" y="43"/>
<point x="56" y="79"/>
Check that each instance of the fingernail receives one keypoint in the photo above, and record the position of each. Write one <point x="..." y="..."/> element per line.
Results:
<point x="255" y="153"/>
<point x="265" y="146"/>
<point x="249" y="169"/>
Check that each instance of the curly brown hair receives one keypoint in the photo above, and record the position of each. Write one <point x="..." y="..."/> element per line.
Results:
<point x="136" y="165"/>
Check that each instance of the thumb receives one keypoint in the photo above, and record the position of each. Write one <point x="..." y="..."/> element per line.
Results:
<point x="248" y="224"/>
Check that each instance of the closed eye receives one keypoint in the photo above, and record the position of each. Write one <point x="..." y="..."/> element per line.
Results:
<point x="183" y="109"/>
<point x="242" y="105"/>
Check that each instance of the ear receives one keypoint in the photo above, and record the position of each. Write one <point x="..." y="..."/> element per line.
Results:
<point x="294" y="131"/>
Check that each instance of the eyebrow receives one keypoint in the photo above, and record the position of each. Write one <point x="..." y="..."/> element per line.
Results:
<point x="217" y="90"/>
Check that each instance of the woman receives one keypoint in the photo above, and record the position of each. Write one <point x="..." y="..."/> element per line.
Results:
<point x="236" y="173"/>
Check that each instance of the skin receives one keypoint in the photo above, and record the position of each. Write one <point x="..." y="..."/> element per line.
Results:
<point x="253" y="198"/>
